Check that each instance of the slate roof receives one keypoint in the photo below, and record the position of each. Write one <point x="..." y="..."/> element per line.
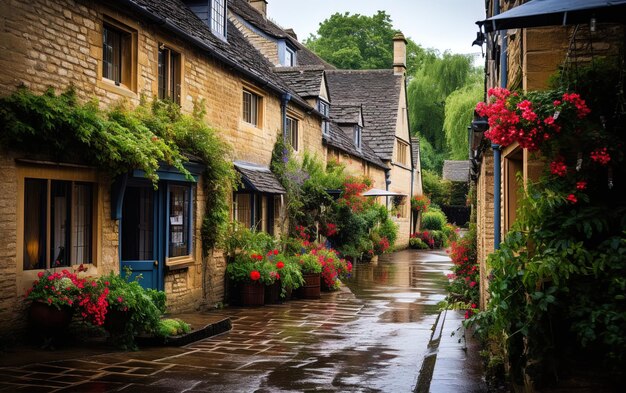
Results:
<point x="415" y="150"/>
<point x="343" y="140"/>
<point x="251" y="15"/>
<point x="456" y="170"/>
<point x="259" y="178"/>
<point x="346" y="113"/>
<point x="306" y="81"/>
<point x="379" y="93"/>
<point x="237" y="52"/>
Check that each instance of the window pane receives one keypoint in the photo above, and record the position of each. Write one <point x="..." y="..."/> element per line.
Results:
<point x="218" y="12"/>
<point x="288" y="58"/>
<point x="174" y="82"/>
<point x="246" y="107"/>
<point x="60" y="202"/>
<point x="242" y="209"/>
<point x="81" y="223"/>
<point x="179" y="221"/>
<point x="163" y="72"/>
<point x="292" y="132"/>
<point x="35" y="212"/>
<point x="138" y="224"/>
<point x="112" y="54"/>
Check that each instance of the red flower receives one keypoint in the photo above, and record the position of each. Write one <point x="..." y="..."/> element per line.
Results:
<point x="558" y="167"/>
<point x="581" y="185"/>
<point x="474" y="305"/>
<point x="601" y="156"/>
<point x="472" y="284"/>
<point x="255" y="275"/>
<point x="572" y="198"/>
<point x="280" y="265"/>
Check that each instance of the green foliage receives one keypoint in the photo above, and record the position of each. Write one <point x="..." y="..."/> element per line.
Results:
<point x="122" y="139"/>
<point x="439" y="237"/>
<point x="459" y="112"/>
<point x="433" y="220"/>
<point x="290" y="275"/>
<point x="431" y="160"/>
<point x="172" y="327"/>
<point x="144" y="306"/>
<point x="417" y="244"/>
<point x="242" y="240"/>
<point x="388" y="229"/>
<point x="438" y="77"/>
<point x="360" y="42"/>
<point x="309" y="263"/>
<point x="438" y="190"/>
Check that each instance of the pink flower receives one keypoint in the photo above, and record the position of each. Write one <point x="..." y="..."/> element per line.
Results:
<point x="119" y="299"/>
<point x="581" y="185"/>
<point x="572" y="198"/>
<point x="558" y="167"/>
<point x="40" y="274"/>
<point x="472" y="284"/>
<point x="601" y="156"/>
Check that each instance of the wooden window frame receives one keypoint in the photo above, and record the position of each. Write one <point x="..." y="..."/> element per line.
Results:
<point x="402" y="153"/>
<point x="292" y="132"/>
<point x="127" y="85"/>
<point x="323" y="107"/>
<point x="253" y="116"/>
<point x="28" y="169"/>
<point x="169" y="73"/>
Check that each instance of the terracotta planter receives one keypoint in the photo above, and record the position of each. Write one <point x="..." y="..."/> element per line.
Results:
<point x="252" y="294"/>
<point x="272" y="293"/>
<point x="311" y="287"/>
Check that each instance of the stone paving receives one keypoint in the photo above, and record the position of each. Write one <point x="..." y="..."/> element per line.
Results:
<point x="371" y="336"/>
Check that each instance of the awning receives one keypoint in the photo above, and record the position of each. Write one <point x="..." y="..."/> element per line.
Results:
<point x="537" y="13"/>
<point x="258" y="178"/>
<point x="378" y="192"/>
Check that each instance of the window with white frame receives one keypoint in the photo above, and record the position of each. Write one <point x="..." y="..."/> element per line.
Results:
<point x="58" y="223"/>
<point x="218" y="17"/>
<point x="324" y="109"/>
<point x="290" y="57"/>
<point x="251" y="104"/>
<point x="292" y="132"/>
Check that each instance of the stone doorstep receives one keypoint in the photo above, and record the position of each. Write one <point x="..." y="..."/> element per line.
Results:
<point x="204" y="325"/>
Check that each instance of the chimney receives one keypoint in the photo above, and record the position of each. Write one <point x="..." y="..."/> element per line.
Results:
<point x="399" y="54"/>
<point x="259" y="5"/>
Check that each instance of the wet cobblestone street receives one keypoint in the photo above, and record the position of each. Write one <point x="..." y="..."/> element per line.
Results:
<point x="370" y="336"/>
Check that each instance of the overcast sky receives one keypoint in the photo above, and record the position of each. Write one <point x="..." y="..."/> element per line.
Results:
<point x="439" y="24"/>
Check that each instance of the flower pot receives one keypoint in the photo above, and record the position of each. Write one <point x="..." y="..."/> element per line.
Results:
<point x="272" y="293"/>
<point x="311" y="287"/>
<point x="48" y="318"/>
<point x="48" y="323"/>
<point x="252" y="294"/>
<point x="115" y="321"/>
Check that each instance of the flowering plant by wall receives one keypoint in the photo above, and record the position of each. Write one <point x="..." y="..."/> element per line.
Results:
<point x="420" y="203"/>
<point x="55" y="288"/>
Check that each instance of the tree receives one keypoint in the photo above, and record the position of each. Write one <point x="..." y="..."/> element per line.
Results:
<point x="459" y="112"/>
<point x="437" y="78"/>
<point x="360" y="42"/>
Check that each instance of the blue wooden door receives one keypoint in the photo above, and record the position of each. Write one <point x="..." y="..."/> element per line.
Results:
<point x="141" y="245"/>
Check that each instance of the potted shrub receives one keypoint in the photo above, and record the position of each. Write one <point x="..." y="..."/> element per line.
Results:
<point x="132" y="309"/>
<point x="334" y="268"/>
<point x="290" y="276"/>
<point x="311" y="269"/>
<point x="251" y="272"/>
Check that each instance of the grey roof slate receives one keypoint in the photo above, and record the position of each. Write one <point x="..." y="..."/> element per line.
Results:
<point x="259" y="178"/>
<point x="379" y="93"/>
<point x="343" y="140"/>
<point x="415" y="149"/>
<point x="456" y="170"/>
<point x="236" y="51"/>
<point x="251" y="15"/>
<point x="346" y="113"/>
<point x="306" y="81"/>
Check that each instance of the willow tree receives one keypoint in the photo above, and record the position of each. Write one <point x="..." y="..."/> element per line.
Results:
<point x="458" y="115"/>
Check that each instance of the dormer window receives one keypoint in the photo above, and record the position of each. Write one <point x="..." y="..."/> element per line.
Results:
<point x="289" y="57"/>
<point x="358" y="132"/>
<point x="218" y="17"/>
<point x="324" y="109"/>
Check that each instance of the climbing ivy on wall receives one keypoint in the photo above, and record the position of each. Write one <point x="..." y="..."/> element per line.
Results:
<point x="59" y="128"/>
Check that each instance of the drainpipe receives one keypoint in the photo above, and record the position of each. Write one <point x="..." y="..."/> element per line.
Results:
<point x="497" y="157"/>
<point x="387" y="183"/>
<point x="284" y="100"/>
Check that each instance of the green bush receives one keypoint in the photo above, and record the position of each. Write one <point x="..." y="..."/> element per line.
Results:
<point x="417" y="244"/>
<point x="450" y="231"/>
<point x="440" y="239"/>
<point x="433" y="221"/>
<point x="172" y="327"/>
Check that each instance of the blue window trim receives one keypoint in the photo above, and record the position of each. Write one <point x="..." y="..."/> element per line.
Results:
<point x="283" y="47"/>
<point x="191" y="195"/>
